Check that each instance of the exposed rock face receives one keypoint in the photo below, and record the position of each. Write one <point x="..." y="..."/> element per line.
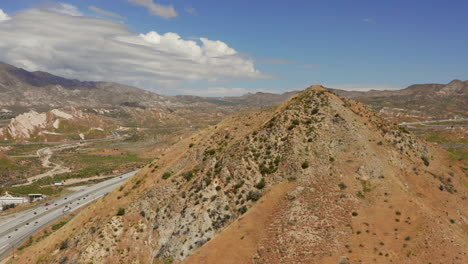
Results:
<point x="33" y="124"/>
<point x="296" y="184"/>
<point x="24" y="125"/>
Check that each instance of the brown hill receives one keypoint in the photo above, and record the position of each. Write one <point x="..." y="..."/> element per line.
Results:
<point x="419" y="101"/>
<point x="318" y="179"/>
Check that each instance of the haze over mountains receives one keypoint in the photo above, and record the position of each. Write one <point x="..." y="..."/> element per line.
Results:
<point x="22" y="91"/>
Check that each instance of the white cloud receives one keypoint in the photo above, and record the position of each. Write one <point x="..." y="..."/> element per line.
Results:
<point x="156" y="9"/>
<point x="64" y="8"/>
<point x="368" y="20"/>
<point x="103" y="12"/>
<point x="3" y="16"/>
<point x="95" y="49"/>
<point x="363" y="87"/>
<point x="191" y="10"/>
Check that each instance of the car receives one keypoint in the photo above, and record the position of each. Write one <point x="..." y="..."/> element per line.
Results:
<point x="35" y="213"/>
<point x="46" y="204"/>
<point x="16" y="229"/>
<point x="27" y="223"/>
<point x="56" y="204"/>
<point x="9" y="236"/>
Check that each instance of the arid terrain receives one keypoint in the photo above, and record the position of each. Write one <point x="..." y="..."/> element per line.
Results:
<point x="318" y="179"/>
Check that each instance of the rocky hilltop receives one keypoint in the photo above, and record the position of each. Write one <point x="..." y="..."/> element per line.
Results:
<point x="318" y="179"/>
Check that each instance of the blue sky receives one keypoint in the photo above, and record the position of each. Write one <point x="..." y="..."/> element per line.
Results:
<point x="291" y="44"/>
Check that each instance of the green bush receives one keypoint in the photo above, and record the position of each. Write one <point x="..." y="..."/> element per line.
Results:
<point x="166" y="175"/>
<point x="342" y="186"/>
<point x="261" y="184"/>
<point x="305" y="164"/>
<point x="59" y="225"/>
<point x="121" y="211"/>
<point x="188" y="175"/>
<point x="254" y="196"/>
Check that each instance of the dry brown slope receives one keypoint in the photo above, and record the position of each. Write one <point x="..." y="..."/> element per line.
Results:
<point x="321" y="158"/>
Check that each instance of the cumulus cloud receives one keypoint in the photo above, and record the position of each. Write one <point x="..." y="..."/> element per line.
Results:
<point x="3" y="16"/>
<point x="96" y="49"/>
<point x="156" y="9"/>
<point x="103" y="12"/>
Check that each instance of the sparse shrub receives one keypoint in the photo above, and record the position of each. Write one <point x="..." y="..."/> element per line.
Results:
<point x="425" y="159"/>
<point x="64" y="244"/>
<point x="332" y="159"/>
<point x="142" y="213"/>
<point x="342" y="186"/>
<point x="121" y="211"/>
<point x="243" y="209"/>
<point x="166" y="175"/>
<point x="380" y="143"/>
<point x="360" y="195"/>
<point x="59" y="225"/>
<point x="188" y="176"/>
<point x="261" y="184"/>
<point x="305" y="164"/>
<point x="354" y="213"/>
<point x="408" y="238"/>
<point x="168" y="260"/>
<point x="218" y="188"/>
<point x="210" y="152"/>
<point x="191" y="145"/>
<point x="295" y="122"/>
<point x="254" y="196"/>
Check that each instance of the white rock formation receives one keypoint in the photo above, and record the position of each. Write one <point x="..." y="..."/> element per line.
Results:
<point x="25" y="124"/>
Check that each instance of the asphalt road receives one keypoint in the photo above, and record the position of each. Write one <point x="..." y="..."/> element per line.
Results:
<point x="433" y="121"/>
<point x="19" y="227"/>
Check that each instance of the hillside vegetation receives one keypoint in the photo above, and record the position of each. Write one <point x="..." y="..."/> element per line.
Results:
<point x="318" y="179"/>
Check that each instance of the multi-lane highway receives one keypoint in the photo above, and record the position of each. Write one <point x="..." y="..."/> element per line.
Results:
<point x="15" y="229"/>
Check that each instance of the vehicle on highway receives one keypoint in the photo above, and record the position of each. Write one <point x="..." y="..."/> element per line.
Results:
<point x="66" y="209"/>
<point x="46" y="204"/>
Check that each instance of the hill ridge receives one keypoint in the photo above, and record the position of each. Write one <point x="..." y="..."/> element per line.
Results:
<point x="332" y="154"/>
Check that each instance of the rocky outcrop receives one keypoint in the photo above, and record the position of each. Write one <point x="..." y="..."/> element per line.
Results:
<point x="25" y="125"/>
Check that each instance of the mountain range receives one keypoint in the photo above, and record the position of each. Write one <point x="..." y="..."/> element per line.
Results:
<point x="23" y="91"/>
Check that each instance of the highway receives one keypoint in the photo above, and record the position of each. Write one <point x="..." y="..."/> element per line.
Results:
<point x="433" y="121"/>
<point x="15" y="229"/>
